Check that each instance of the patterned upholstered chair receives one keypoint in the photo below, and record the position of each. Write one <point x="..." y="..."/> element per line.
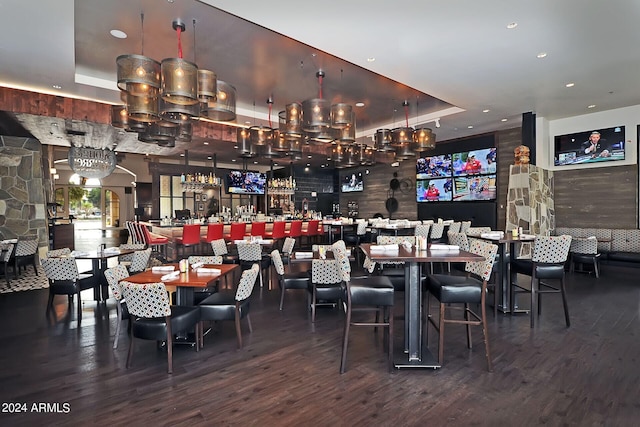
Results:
<point x="585" y="251"/>
<point x="550" y="254"/>
<point x="297" y="280"/>
<point x="437" y="232"/>
<point x="25" y="253"/>
<point x="451" y="291"/>
<point x="394" y="270"/>
<point x="422" y="230"/>
<point x="114" y="275"/>
<point x="370" y="294"/>
<point x="64" y="279"/>
<point x="126" y="258"/>
<point x="230" y="305"/>
<point x="477" y="231"/>
<point x="251" y="253"/>
<point x="464" y="226"/>
<point x="6" y="250"/>
<point x="287" y="250"/>
<point x="326" y="286"/>
<point x="52" y="253"/>
<point x="455" y="227"/>
<point x="139" y="261"/>
<point x="219" y="248"/>
<point x="153" y="318"/>
<point x="201" y="294"/>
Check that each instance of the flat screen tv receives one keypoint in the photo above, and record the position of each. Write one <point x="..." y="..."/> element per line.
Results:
<point x="475" y="162"/>
<point x="434" y="190"/>
<point x="352" y="182"/>
<point x="592" y="146"/>
<point x="474" y="188"/>
<point x="239" y="182"/>
<point x="433" y="167"/>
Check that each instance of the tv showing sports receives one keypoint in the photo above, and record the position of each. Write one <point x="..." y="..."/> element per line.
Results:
<point x="592" y="146"/>
<point x="238" y="182"/>
<point x="475" y="162"/>
<point x="474" y="188"/>
<point x="434" y="190"/>
<point x="433" y="167"/>
<point x="352" y="182"/>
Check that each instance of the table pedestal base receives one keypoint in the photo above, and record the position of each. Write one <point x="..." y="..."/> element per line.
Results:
<point x="401" y="360"/>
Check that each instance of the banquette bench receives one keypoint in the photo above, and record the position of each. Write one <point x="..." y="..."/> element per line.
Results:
<point x="616" y="245"/>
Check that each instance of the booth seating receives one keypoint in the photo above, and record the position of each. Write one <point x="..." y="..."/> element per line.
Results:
<point x="616" y="246"/>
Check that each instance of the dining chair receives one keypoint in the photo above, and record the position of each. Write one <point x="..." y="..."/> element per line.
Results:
<point x="394" y="270"/>
<point x="296" y="280"/>
<point x="464" y="226"/>
<point x="277" y="232"/>
<point x="199" y="295"/>
<point x="139" y="261"/>
<point x="368" y="294"/>
<point x="311" y="231"/>
<point x="250" y="253"/>
<point x="584" y="251"/>
<point x="153" y="318"/>
<point x="7" y="251"/>
<point x="458" y="293"/>
<point x="24" y="253"/>
<point x="547" y="262"/>
<point x="157" y="242"/>
<point x="325" y="286"/>
<point x="126" y="258"/>
<point x="287" y="250"/>
<point x="354" y="239"/>
<point x="230" y="305"/>
<point x="455" y="227"/>
<point x="295" y="230"/>
<point x="114" y="275"/>
<point x="64" y="279"/>
<point x="437" y="232"/>
<point x="422" y="230"/>
<point x="52" y="253"/>
<point x="190" y="238"/>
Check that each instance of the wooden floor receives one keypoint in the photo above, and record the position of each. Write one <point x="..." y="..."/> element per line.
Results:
<point x="287" y="373"/>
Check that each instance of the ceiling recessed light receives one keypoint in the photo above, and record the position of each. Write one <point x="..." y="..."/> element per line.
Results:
<point x="512" y="25"/>
<point x="181" y="154"/>
<point x="309" y="156"/>
<point x="209" y="157"/>
<point x="233" y="160"/>
<point x="57" y="87"/>
<point x="205" y="143"/>
<point x="371" y="59"/>
<point x="570" y="84"/>
<point x="118" y="34"/>
<point x="591" y="106"/>
<point x="542" y="55"/>
<point x="486" y="110"/>
<point x="359" y="104"/>
<point x="503" y="120"/>
<point x="470" y="127"/>
<point x="255" y="162"/>
<point x="308" y="164"/>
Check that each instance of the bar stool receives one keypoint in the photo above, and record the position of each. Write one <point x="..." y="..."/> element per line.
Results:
<point x="215" y="231"/>
<point x="155" y="241"/>
<point x="311" y="232"/>
<point x="190" y="237"/>
<point x="237" y="231"/>
<point x="258" y="229"/>
<point x="277" y="233"/>
<point x="295" y="230"/>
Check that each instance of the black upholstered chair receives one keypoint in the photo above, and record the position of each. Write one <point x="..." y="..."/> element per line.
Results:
<point x="64" y="279"/>
<point x="584" y="251"/>
<point x="369" y="294"/>
<point x="326" y="286"/>
<point x="139" y="261"/>
<point x="114" y="275"/>
<point x="452" y="290"/>
<point x="230" y="305"/>
<point x="25" y="253"/>
<point x="288" y="280"/>
<point x="550" y="254"/>
<point x="6" y="250"/>
<point x="250" y="253"/>
<point x="153" y="318"/>
<point x="219" y="248"/>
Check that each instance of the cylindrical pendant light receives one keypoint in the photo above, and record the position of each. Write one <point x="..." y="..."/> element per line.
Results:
<point x="223" y="107"/>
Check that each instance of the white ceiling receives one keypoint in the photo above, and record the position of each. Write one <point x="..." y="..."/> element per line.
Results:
<point x="443" y="56"/>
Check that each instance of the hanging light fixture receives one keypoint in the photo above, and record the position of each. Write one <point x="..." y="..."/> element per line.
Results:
<point x="423" y="139"/>
<point x="245" y="147"/>
<point x="223" y="106"/>
<point x="179" y="77"/>
<point x="262" y="135"/>
<point x="316" y="112"/>
<point x="290" y="121"/>
<point x="382" y="140"/>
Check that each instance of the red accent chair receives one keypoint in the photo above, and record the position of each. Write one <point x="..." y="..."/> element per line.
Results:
<point x="277" y="233"/>
<point x="237" y="231"/>
<point x="154" y="241"/>
<point x="295" y="230"/>
<point x="190" y="237"/>
<point x="215" y="231"/>
<point x="258" y="228"/>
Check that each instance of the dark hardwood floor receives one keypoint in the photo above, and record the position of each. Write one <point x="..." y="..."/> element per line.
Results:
<point x="287" y="373"/>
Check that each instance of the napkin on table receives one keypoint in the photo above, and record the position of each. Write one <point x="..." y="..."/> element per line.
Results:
<point x="439" y="247"/>
<point x="170" y="276"/>
<point x="379" y="249"/>
<point x="162" y="268"/>
<point x="304" y="254"/>
<point x="197" y="265"/>
<point x="208" y="270"/>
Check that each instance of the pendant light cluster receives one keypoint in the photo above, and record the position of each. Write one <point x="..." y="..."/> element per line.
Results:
<point x="162" y="98"/>
<point x="313" y="122"/>
<point x="406" y="142"/>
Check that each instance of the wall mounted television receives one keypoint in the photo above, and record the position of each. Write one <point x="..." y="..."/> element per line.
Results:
<point x="433" y="167"/>
<point x="475" y="162"/>
<point x="239" y="182"/>
<point x="434" y="190"/>
<point x="474" y="187"/>
<point x="352" y="182"/>
<point x="592" y="146"/>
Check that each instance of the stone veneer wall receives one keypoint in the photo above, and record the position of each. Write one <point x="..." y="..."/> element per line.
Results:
<point x="530" y="202"/>
<point x="22" y="193"/>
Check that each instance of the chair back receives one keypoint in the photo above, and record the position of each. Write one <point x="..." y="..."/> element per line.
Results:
<point x="60" y="268"/>
<point x="148" y="300"/>
<point x="237" y="230"/>
<point x="141" y="232"/>
<point x="369" y="265"/>
<point x="219" y="247"/>
<point x="477" y="231"/>
<point x="129" y="247"/>
<point x="361" y="230"/>
<point x="343" y="264"/>
<point x="114" y="275"/>
<point x="422" y="230"/>
<point x="437" y="230"/>
<point x="258" y="228"/>
<point x="395" y="240"/>
<point x="312" y="227"/>
<point x="325" y="272"/>
<point x="205" y="259"/>
<point x="288" y="245"/>
<point x="191" y="234"/>
<point x="26" y="246"/>
<point x="8" y="248"/>
<point x="53" y="253"/>
<point x="488" y="250"/>
<point x="215" y="231"/>
<point x="247" y="281"/>
<point x="249" y="251"/>
<point x="464" y="226"/>
<point x="276" y="260"/>
<point x="458" y="239"/>
<point x="455" y="227"/>
<point x="551" y="249"/>
<point x="296" y="228"/>
<point x="278" y="231"/>
<point x="140" y="260"/>
<point x="585" y="246"/>
<point x="339" y="244"/>
<point x="134" y="233"/>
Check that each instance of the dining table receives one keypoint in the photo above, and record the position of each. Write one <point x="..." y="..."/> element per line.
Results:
<point x="415" y="353"/>
<point x="202" y="277"/>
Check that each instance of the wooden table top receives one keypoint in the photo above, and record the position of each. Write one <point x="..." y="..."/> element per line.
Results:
<point x="404" y="254"/>
<point x="191" y="278"/>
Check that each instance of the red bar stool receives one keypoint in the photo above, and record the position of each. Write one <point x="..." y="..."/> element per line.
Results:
<point x="237" y="231"/>
<point x="311" y="231"/>
<point x="277" y="233"/>
<point x="295" y="231"/>
<point x="258" y="229"/>
<point x="215" y="231"/>
<point x="155" y="241"/>
<point x="190" y="237"/>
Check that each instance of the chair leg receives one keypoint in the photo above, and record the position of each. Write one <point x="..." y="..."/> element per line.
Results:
<point x="345" y="339"/>
<point x="441" y="335"/>
<point x="169" y="346"/>
<point x="595" y="268"/>
<point x="282" y="289"/>
<point x="564" y="302"/>
<point x="485" y="332"/>
<point x="49" y="301"/>
<point x="313" y="305"/>
<point x="534" y="299"/>
<point x="118" y="323"/>
<point x="131" y="339"/>
<point x="390" y="321"/>
<point x="238" y="329"/>
<point x="79" y="305"/>
<point x="468" y="325"/>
